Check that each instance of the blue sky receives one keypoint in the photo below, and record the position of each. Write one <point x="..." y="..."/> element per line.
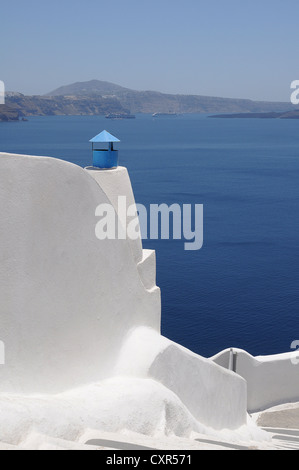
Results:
<point x="229" y="48"/>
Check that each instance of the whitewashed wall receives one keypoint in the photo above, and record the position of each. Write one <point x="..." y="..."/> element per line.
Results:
<point x="214" y="396"/>
<point x="75" y="310"/>
<point x="271" y="380"/>
<point x="67" y="299"/>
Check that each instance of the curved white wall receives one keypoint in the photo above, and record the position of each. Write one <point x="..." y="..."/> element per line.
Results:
<point x="214" y="396"/>
<point x="67" y="299"/>
<point x="271" y="380"/>
<point x="75" y="310"/>
<point x="114" y="183"/>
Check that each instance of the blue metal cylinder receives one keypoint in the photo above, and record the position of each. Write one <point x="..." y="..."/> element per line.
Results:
<point x="105" y="158"/>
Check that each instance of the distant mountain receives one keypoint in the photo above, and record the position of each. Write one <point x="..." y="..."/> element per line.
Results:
<point x="153" y="101"/>
<point x="93" y="87"/>
<point x="97" y="97"/>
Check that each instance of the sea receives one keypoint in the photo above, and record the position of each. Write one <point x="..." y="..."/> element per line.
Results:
<point x="241" y="288"/>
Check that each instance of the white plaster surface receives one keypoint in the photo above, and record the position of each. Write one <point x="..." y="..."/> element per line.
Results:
<point x="67" y="298"/>
<point x="147" y="268"/>
<point x="213" y="395"/>
<point x="120" y="406"/>
<point x="80" y="322"/>
<point x="114" y="183"/>
<point x="271" y="380"/>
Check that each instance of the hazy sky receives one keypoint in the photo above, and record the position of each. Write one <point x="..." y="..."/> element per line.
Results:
<point x="229" y="48"/>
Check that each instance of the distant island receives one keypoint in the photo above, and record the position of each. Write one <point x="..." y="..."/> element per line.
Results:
<point x="60" y="105"/>
<point x="97" y="97"/>
<point x="282" y="115"/>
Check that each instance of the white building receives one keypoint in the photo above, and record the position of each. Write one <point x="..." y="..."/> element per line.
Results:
<point x="80" y="324"/>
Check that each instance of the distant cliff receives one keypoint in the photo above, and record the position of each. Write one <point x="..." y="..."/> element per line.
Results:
<point x="151" y="102"/>
<point x="99" y="98"/>
<point x="63" y="105"/>
<point x="8" y="113"/>
<point x="154" y="101"/>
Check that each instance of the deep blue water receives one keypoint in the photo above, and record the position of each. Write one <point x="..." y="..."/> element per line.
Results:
<point x="241" y="288"/>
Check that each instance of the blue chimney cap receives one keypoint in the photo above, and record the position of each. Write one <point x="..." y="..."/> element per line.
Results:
<point x="104" y="136"/>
